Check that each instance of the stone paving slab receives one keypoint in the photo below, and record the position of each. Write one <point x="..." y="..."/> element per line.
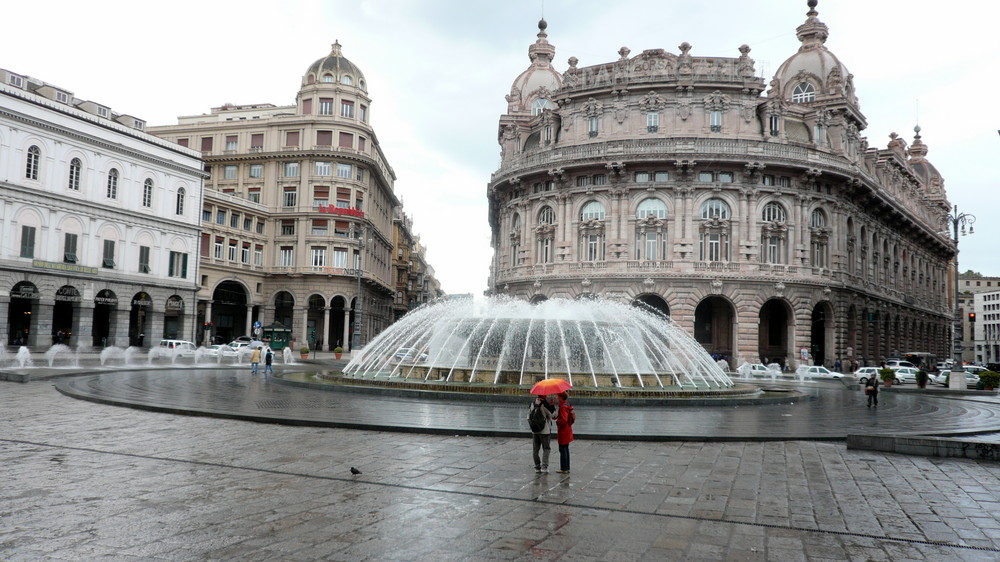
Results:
<point x="85" y="481"/>
<point x="830" y="411"/>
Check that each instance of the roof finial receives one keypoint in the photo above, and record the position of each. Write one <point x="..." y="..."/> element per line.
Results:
<point x="812" y="8"/>
<point x="335" y="48"/>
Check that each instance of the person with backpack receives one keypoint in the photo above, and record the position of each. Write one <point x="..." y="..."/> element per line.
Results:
<point x="540" y="422"/>
<point x="268" y="359"/>
<point x="564" y="431"/>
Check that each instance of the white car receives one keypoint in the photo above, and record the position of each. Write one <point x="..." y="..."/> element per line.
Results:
<point x="897" y="363"/>
<point x="175" y="348"/>
<point x="971" y="379"/>
<point x="410" y="354"/>
<point x="865" y="373"/>
<point x="906" y="374"/>
<point x="220" y="351"/>
<point x="820" y="372"/>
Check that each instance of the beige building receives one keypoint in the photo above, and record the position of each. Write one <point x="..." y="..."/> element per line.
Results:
<point x="749" y="210"/>
<point x="413" y="276"/>
<point x="298" y="214"/>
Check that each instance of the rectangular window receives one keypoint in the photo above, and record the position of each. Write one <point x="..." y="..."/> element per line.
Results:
<point x="318" y="257"/>
<point x="253" y="195"/>
<point x="286" y="256"/>
<point x="291" y="170"/>
<point x="326" y="106"/>
<point x="220" y="217"/>
<point x="600" y="179"/>
<point x="288" y="227"/>
<point x="232" y="250"/>
<point x="705" y="176"/>
<point x="219" y="244"/>
<point x="27" y="242"/>
<point x="774" y="122"/>
<point x="245" y="253"/>
<point x="178" y="265"/>
<point x="641" y="177"/>
<point x="322" y="169"/>
<point x="767" y="179"/>
<point x="343" y="197"/>
<point x="324" y="138"/>
<point x="652" y="122"/>
<point x="339" y="257"/>
<point x="660" y="176"/>
<point x="362" y="144"/>
<point x="307" y="108"/>
<point x="206" y="144"/>
<point x="347" y="109"/>
<point x="321" y="195"/>
<point x="726" y="177"/>
<point x="247" y="223"/>
<point x="229" y="172"/>
<point x="258" y="256"/>
<point x="715" y="120"/>
<point x="256" y="170"/>
<point x="288" y="198"/>
<point x="292" y="139"/>
<point x="144" y="259"/>
<point x="363" y="114"/>
<point x="592" y="127"/>
<point x="260" y="227"/>
<point x="234" y="220"/>
<point x="257" y="140"/>
<point x="69" y="248"/>
<point x="320" y="227"/>
<point x="343" y="170"/>
<point x="231" y="142"/>
<point x="784" y="181"/>
<point x="341" y="229"/>
<point x="583" y="181"/>
<point x="346" y="140"/>
<point x="108" y="261"/>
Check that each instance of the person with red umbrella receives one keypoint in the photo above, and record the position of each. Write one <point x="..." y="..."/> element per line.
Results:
<point x="564" y="431"/>
<point x="540" y="415"/>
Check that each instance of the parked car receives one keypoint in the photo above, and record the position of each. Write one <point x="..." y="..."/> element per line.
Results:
<point x="974" y="369"/>
<point x="758" y="369"/>
<point x="237" y="344"/>
<point x="410" y="354"/>
<point x="177" y="348"/>
<point x="820" y="372"/>
<point x="220" y="351"/>
<point x="247" y="339"/>
<point x="897" y="363"/>
<point x="905" y="375"/>
<point x="865" y="373"/>
<point x="971" y="379"/>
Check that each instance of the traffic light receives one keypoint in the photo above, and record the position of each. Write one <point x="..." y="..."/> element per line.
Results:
<point x="972" y="317"/>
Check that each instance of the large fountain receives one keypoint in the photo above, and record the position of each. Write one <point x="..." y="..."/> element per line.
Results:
<point x="595" y="344"/>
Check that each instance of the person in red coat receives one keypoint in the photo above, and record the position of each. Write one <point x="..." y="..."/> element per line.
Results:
<point x="564" y="433"/>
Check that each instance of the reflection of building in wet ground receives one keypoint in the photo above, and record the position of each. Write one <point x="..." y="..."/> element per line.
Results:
<point x="101" y="228"/>
<point x="750" y="209"/>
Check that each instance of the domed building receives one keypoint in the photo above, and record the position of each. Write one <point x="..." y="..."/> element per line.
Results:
<point x="755" y="215"/>
<point x="300" y="221"/>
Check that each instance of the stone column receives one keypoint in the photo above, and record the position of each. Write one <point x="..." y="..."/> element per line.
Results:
<point x="5" y="335"/>
<point x="249" y="324"/>
<point x="207" y="336"/>
<point x="119" y="324"/>
<point x="347" y="328"/>
<point x="326" y="327"/>
<point x="83" y="323"/>
<point x="155" y="322"/>
<point x="304" y="333"/>
<point x="41" y="324"/>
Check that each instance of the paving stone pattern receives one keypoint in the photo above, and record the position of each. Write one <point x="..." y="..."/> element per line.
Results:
<point x="85" y="481"/>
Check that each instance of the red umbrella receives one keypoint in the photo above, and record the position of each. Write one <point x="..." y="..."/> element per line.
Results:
<point x="550" y="386"/>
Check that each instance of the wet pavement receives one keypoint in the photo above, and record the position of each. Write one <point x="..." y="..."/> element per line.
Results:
<point x="85" y="480"/>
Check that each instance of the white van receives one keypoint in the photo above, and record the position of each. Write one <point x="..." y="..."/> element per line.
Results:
<point x="181" y="348"/>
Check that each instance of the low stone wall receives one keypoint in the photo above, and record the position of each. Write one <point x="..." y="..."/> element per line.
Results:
<point x="926" y="446"/>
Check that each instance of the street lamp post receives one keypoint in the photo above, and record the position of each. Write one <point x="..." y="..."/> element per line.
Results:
<point x="356" y="339"/>
<point x="958" y="220"/>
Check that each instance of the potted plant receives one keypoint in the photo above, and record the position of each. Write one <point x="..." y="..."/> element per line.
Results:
<point x="922" y="378"/>
<point x="304" y="351"/>
<point x="887" y="375"/>
<point x="338" y="351"/>
<point x="990" y="379"/>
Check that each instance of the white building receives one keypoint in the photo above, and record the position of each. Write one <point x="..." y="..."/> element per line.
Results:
<point x="985" y="321"/>
<point x="99" y="223"/>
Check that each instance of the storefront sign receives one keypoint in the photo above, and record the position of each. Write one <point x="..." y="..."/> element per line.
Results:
<point x="25" y="292"/>
<point x="350" y="211"/>
<point x="68" y="294"/>
<point x="175" y="304"/>
<point x="67" y="267"/>
<point x="110" y="301"/>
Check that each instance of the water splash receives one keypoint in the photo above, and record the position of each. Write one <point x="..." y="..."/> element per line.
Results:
<point x="591" y="343"/>
<point x="64" y="352"/>
<point x="23" y="358"/>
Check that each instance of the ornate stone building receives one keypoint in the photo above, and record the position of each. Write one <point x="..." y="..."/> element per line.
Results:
<point x="753" y="213"/>
<point x="98" y="223"/>
<point x="298" y="213"/>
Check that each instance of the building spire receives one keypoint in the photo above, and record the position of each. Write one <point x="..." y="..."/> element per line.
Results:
<point x="541" y="52"/>
<point x="812" y="33"/>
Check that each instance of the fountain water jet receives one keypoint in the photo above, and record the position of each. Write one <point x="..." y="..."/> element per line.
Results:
<point x="113" y="353"/>
<point x="64" y="351"/>
<point x="502" y="341"/>
<point x="23" y="358"/>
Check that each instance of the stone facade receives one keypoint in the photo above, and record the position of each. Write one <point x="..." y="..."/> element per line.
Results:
<point x="298" y="213"/>
<point x="99" y="223"/>
<point x="755" y="215"/>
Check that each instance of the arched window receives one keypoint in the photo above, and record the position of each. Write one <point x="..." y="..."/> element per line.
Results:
<point x="651" y="207"/>
<point x="803" y="92"/>
<point x="819" y="239"/>
<point x="715" y="209"/>
<point x="32" y="162"/>
<point x="539" y="105"/>
<point x="773" y="233"/>
<point x="817" y="219"/>
<point x="346" y="80"/>
<point x="75" y="168"/>
<point x="592" y="210"/>
<point x="328" y="78"/>
<point x="180" y="201"/>
<point x="773" y="212"/>
<point x="147" y="193"/>
<point x="546" y="215"/>
<point x="112" y="184"/>
<point x="651" y="230"/>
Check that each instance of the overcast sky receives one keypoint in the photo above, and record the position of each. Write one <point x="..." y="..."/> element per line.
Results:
<point x="438" y="71"/>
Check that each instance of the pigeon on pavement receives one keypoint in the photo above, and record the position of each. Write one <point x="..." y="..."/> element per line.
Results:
<point x="355" y="471"/>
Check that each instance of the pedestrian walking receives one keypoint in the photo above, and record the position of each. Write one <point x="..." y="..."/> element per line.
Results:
<point x="540" y="421"/>
<point x="268" y="359"/>
<point x="254" y="360"/>
<point x="564" y="431"/>
<point x="871" y="389"/>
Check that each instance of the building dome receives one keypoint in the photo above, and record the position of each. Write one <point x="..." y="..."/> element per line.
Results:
<point x="813" y="71"/>
<point x="532" y="89"/>
<point x="334" y="68"/>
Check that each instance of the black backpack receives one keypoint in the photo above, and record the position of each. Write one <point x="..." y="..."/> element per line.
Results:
<point x="536" y="418"/>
